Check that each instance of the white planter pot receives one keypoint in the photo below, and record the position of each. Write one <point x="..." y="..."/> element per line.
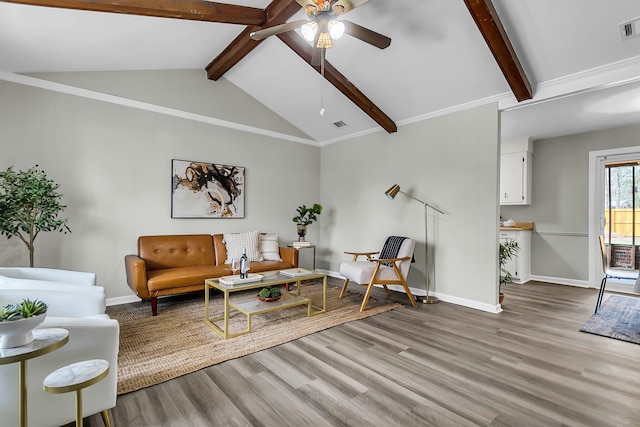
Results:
<point x="16" y="333"/>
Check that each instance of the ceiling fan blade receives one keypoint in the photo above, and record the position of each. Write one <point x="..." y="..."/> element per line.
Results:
<point x="366" y="35"/>
<point x="347" y="5"/>
<point x="277" y="29"/>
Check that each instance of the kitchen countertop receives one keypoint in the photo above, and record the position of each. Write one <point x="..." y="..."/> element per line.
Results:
<point x="519" y="226"/>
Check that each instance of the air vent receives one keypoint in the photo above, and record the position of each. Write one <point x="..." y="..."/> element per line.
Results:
<point x="629" y="30"/>
<point x="339" y="124"/>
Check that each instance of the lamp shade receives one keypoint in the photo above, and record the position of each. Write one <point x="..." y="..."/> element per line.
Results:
<point x="392" y="192"/>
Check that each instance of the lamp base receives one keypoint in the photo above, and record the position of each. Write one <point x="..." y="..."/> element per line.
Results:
<point x="430" y="300"/>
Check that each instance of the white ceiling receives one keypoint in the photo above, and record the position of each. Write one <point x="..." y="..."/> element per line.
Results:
<point x="584" y="77"/>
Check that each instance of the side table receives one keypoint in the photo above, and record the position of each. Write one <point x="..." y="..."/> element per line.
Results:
<point x="74" y="378"/>
<point x="44" y="341"/>
<point x="313" y="247"/>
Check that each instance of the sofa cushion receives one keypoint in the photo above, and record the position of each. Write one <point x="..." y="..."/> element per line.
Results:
<point x="269" y="247"/>
<point x="158" y="280"/>
<point x="235" y="242"/>
<point x="175" y="251"/>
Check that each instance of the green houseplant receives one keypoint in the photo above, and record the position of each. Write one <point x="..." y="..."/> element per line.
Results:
<point x="306" y="215"/>
<point x="29" y="204"/>
<point x="270" y="293"/>
<point x="17" y="322"/>
<point x="508" y="250"/>
<point x="27" y="308"/>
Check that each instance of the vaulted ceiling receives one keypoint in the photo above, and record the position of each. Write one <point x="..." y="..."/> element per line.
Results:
<point x="547" y="63"/>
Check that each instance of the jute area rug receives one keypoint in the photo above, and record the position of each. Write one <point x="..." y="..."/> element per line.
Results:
<point x="177" y="341"/>
<point x="618" y="317"/>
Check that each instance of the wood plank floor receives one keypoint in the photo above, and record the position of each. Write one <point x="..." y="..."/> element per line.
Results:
<point x="434" y="365"/>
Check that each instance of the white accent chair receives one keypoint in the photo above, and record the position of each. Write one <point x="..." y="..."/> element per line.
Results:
<point x="611" y="273"/>
<point x="77" y="305"/>
<point x="379" y="271"/>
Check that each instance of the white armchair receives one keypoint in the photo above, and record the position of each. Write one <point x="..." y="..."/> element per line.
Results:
<point x="78" y="307"/>
<point x="389" y="268"/>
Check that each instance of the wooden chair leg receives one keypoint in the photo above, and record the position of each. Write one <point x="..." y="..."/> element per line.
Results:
<point x="365" y="300"/>
<point x="367" y="294"/>
<point x="344" y="288"/>
<point x="409" y="294"/>
<point x="386" y="290"/>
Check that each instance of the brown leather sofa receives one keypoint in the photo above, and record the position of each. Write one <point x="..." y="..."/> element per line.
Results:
<point x="175" y="264"/>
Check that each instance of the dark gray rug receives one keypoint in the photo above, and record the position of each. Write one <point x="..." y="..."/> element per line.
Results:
<point x="618" y="317"/>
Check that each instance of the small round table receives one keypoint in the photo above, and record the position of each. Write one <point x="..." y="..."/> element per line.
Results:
<point x="44" y="341"/>
<point x="75" y="377"/>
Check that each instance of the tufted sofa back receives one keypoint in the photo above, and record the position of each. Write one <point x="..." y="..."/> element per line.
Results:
<point x="173" y="251"/>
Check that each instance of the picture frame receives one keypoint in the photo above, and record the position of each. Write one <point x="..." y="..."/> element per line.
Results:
<point x="206" y="190"/>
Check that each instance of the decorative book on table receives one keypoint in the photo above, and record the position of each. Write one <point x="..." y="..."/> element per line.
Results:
<point x="296" y="272"/>
<point x="236" y="280"/>
<point x="297" y="244"/>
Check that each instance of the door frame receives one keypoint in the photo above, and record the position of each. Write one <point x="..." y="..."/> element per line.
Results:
<point x="597" y="160"/>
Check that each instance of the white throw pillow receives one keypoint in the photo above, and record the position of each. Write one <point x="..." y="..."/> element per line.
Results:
<point x="269" y="247"/>
<point x="234" y="242"/>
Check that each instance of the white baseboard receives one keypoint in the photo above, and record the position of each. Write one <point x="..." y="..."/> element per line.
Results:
<point x="442" y="297"/>
<point x="122" y="300"/>
<point x="489" y="308"/>
<point x="563" y="281"/>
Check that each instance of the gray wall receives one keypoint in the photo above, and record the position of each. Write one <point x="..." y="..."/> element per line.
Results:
<point x="560" y="208"/>
<point x="113" y="164"/>
<point x="452" y="163"/>
<point x="184" y="90"/>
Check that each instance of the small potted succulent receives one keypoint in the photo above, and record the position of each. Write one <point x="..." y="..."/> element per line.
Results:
<point x="269" y="294"/>
<point x="17" y="322"/>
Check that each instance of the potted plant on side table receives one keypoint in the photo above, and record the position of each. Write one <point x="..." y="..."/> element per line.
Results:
<point x="306" y="216"/>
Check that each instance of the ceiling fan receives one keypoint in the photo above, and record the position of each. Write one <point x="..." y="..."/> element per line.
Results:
<point x="323" y="26"/>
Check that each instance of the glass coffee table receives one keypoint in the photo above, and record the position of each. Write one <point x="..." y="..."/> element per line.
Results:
<point x="249" y="305"/>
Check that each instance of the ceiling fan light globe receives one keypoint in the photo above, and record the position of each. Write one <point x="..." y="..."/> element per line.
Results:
<point x="336" y="29"/>
<point x="308" y="30"/>
<point x="324" y="41"/>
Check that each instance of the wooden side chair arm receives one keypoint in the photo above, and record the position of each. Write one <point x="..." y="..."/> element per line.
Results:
<point x="357" y="254"/>
<point x="390" y="260"/>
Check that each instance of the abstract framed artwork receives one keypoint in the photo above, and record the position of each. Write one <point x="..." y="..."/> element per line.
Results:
<point x="206" y="190"/>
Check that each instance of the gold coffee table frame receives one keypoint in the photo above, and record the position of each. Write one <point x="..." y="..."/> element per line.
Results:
<point x="250" y="305"/>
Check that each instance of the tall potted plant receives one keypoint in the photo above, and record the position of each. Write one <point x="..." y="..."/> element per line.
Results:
<point x="305" y="217"/>
<point x="29" y="204"/>
<point x="508" y="250"/>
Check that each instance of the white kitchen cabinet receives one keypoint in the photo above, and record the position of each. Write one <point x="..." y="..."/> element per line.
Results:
<point x="519" y="265"/>
<point x="515" y="178"/>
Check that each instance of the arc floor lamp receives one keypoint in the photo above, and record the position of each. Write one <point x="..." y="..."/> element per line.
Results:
<point x="392" y="193"/>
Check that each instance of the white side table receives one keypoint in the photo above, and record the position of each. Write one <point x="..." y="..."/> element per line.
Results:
<point x="44" y="341"/>
<point x="75" y="377"/>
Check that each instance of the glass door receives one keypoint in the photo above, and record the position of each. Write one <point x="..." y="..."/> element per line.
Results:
<point x="621" y="214"/>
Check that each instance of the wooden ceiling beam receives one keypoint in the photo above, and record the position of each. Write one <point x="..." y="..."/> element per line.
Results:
<point x="276" y="13"/>
<point x="195" y="10"/>
<point x="490" y="26"/>
<point x="305" y="51"/>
